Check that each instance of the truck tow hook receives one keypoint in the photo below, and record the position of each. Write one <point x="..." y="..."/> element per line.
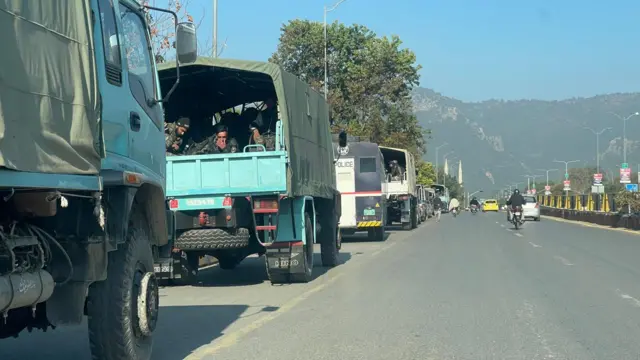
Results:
<point x="147" y="304"/>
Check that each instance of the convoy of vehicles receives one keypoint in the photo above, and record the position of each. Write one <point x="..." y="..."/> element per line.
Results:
<point x="82" y="170"/>
<point x="273" y="202"/>
<point x="95" y="212"/>
<point x="402" y="204"/>
<point x="362" y="182"/>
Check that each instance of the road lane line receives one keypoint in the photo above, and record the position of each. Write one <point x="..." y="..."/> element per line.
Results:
<point x="501" y="225"/>
<point x="518" y="235"/>
<point x="534" y="245"/>
<point x="629" y="298"/>
<point x="563" y="260"/>
<point x="233" y="338"/>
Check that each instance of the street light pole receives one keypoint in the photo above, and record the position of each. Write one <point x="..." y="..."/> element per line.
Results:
<point x="547" y="171"/>
<point x="624" y="133"/>
<point x="437" y="158"/>
<point x="566" y="170"/>
<point x="326" y="64"/>
<point x="597" y="134"/>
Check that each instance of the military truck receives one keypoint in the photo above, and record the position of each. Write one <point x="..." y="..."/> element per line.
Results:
<point x="269" y="200"/>
<point x="402" y="206"/>
<point x="82" y="170"/>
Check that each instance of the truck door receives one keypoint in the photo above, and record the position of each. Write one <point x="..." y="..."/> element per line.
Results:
<point x="115" y="126"/>
<point x="143" y="113"/>
<point x="346" y="183"/>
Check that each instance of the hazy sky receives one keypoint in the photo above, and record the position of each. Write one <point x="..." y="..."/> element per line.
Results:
<point x="472" y="50"/>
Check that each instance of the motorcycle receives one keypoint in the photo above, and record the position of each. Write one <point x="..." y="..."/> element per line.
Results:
<point x="474" y="209"/>
<point x="516" y="216"/>
<point x="454" y="212"/>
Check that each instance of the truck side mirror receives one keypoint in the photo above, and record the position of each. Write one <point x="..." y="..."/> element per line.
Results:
<point x="186" y="43"/>
<point x="342" y="139"/>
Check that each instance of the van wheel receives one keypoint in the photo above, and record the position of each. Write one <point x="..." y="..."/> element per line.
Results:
<point x="123" y="309"/>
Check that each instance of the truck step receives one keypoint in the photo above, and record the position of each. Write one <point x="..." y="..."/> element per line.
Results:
<point x="265" y="227"/>
<point x="265" y="211"/>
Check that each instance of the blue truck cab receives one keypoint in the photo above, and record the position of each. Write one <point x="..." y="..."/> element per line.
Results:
<point x="274" y="198"/>
<point x="82" y="170"/>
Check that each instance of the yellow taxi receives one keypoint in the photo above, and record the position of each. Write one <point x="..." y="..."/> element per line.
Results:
<point x="490" y="205"/>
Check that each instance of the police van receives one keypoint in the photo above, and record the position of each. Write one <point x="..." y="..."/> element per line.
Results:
<point x="361" y="180"/>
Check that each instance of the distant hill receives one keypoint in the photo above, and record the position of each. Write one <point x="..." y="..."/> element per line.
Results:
<point x="513" y="138"/>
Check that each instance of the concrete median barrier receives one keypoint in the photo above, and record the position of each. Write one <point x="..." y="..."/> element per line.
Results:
<point x="614" y="220"/>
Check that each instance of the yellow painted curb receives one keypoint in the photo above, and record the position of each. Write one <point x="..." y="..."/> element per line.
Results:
<point x="588" y="224"/>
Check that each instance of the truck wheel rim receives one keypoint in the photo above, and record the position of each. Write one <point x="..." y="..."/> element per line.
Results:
<point x="147" y="304"/>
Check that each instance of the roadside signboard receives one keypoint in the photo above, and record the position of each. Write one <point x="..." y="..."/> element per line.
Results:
<point x="567" y="185"/>
<point x="547" y="189"/>
<point x="597" y="189"/>
<point x="597" y="178"/>
<point x="533" y="191"/>
<point x="625" y="175"/>
<point x="632" y="187"/>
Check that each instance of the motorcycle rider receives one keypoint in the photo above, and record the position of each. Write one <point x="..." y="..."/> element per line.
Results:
<point x="454" y="204"/>
<point x="474" y="202"/>
<point x="516" y="200"/>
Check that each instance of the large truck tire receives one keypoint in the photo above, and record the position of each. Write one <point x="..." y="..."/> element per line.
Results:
<point x="329" y="244"/>
<point x="123" y="309"/>
<point x="213" y="239"/>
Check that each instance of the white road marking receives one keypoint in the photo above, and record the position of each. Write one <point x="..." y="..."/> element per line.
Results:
<point x="497" y="222"/>
<point x="534" y="245"/>
<point x="509" y="229"/>
<point x="563" y="260"/>
<point x="629" y="298"/>
<point x="518" y="235"/>
<point x="501" y="225"/>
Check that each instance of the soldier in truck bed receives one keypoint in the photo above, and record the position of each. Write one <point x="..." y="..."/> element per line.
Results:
<point x="261" y="128"/>
<point x="396" y="170"/>
<point x="174" y="136"/>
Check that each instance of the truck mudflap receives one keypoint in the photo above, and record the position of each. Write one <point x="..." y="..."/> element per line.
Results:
<point x="286" y="262"/>
<point x="174" y="267"/>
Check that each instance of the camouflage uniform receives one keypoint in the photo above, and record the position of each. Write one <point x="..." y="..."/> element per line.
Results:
<point x="268" y="140"/>
<point x="171" y="137"/>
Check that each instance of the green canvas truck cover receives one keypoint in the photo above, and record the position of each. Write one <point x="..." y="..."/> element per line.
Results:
<point x="49" y="100"/>
<point x="304" y="113"/>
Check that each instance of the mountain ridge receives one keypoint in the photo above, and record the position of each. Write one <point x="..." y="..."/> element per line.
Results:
<point x="511" y="138"/>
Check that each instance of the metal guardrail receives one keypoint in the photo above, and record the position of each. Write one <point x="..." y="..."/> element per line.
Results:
<point x="589" y="202"/>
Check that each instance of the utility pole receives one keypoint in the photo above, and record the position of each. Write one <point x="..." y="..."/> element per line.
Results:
<point x="215" y="28"/>
<point x="597" y="134"/>
<point x="326" y="63"/>
<point x="437" y="158"/>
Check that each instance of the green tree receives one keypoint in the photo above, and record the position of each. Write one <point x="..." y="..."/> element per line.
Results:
<point x="370" y="79"/>
<point x="426" y="173"/>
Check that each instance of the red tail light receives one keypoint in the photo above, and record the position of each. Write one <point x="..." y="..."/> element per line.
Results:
<point x="227" y="201"/>
<point x="173" y="204"/>
<point x="265" y="204"/>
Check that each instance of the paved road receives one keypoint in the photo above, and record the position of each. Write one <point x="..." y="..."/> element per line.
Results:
<point x="464" y="288"/>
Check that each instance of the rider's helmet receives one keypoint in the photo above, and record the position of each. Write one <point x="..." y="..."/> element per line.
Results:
<point x="516" y="191"/>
